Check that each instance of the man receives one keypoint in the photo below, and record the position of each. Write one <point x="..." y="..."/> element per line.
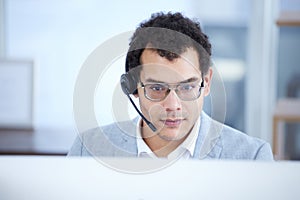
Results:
<point x="168" y="68"/>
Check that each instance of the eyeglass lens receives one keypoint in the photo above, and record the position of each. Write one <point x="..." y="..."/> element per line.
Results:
<point x="185" y="91"/>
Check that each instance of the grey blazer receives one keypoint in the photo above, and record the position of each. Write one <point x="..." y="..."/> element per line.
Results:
<point x="215" y="141"/>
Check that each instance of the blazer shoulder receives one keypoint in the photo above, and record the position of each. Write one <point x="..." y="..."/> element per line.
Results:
<point x="116" y="139"/>
<point x="238" y="145"/>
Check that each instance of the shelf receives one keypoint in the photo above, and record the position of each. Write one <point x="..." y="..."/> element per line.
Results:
<point x="289" y="18"/>
<point x="286" y="110"/>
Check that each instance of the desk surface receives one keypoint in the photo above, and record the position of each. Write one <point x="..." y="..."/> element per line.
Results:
<point x="54" y="177"/>
<point x="38" y="142"/>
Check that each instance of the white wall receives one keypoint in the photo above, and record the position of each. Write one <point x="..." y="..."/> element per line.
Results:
<point x="59" y="36"/>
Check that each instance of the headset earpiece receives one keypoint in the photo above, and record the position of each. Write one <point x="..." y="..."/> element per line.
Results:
<point x="128" y="84"/>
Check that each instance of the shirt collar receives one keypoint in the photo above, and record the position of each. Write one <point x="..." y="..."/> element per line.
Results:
<point x="142" y="147"/>
<point x="188" y="144"/>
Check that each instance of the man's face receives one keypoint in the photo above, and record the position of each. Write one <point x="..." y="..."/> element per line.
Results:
<point x="172" y="116"/>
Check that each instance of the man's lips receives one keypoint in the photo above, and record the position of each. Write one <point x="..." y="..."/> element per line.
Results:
<point x="172" y="122"/>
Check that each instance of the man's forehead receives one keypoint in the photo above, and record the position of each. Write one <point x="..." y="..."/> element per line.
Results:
<point x="189" y="54"/>
<point x="157" y="67"/>
<point x="154" y="80"/>
<point x="169" y="74"/>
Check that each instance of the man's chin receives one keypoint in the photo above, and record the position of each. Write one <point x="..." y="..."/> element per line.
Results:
<point x="171" y="135"/>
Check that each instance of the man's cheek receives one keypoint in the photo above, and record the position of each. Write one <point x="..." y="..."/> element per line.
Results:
<point x="193" y="109"/>
<point x="156" y="112"/>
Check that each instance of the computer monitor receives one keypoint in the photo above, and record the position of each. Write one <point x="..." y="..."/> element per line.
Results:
<point x="34" y="177"/>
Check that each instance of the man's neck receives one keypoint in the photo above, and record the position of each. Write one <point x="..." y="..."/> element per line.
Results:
<point x="160" y="147"/>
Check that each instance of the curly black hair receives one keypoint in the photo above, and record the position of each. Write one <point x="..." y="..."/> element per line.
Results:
<point x="169" y="35"/>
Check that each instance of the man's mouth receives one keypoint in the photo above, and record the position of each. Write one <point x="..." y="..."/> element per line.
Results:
<point x="172" y="122"/>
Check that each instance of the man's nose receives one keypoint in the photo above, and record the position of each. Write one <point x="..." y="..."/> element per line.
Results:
<point x="172" y="102"/>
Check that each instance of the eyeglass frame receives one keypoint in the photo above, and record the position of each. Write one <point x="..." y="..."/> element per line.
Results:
<point x="176" y="85"/>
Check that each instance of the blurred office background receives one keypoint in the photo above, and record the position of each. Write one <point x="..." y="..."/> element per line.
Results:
<point x="257" y="58"/>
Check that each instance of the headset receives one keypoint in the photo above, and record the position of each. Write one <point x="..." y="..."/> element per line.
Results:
<point x="129" y="86"/>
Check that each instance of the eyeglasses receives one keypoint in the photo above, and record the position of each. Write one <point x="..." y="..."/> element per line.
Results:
<point x="185" y="91"/>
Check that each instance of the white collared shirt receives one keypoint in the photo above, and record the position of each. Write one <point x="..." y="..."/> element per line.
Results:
<point x="184" y="150"/>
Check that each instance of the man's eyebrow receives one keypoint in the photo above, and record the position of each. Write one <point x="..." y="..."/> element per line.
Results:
<point x="192" y="79"/>
<point x="153" y="80"/>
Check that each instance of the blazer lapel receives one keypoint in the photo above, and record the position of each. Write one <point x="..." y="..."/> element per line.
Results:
<point x="208" y="144"/>
<point x="129" y="143"/>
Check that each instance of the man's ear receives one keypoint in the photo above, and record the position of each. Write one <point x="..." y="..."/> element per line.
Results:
<point x="207" y="81"/>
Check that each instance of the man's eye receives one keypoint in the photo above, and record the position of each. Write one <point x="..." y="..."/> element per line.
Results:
<point x="187" y="87"/>
<point x="157" y="87"/>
